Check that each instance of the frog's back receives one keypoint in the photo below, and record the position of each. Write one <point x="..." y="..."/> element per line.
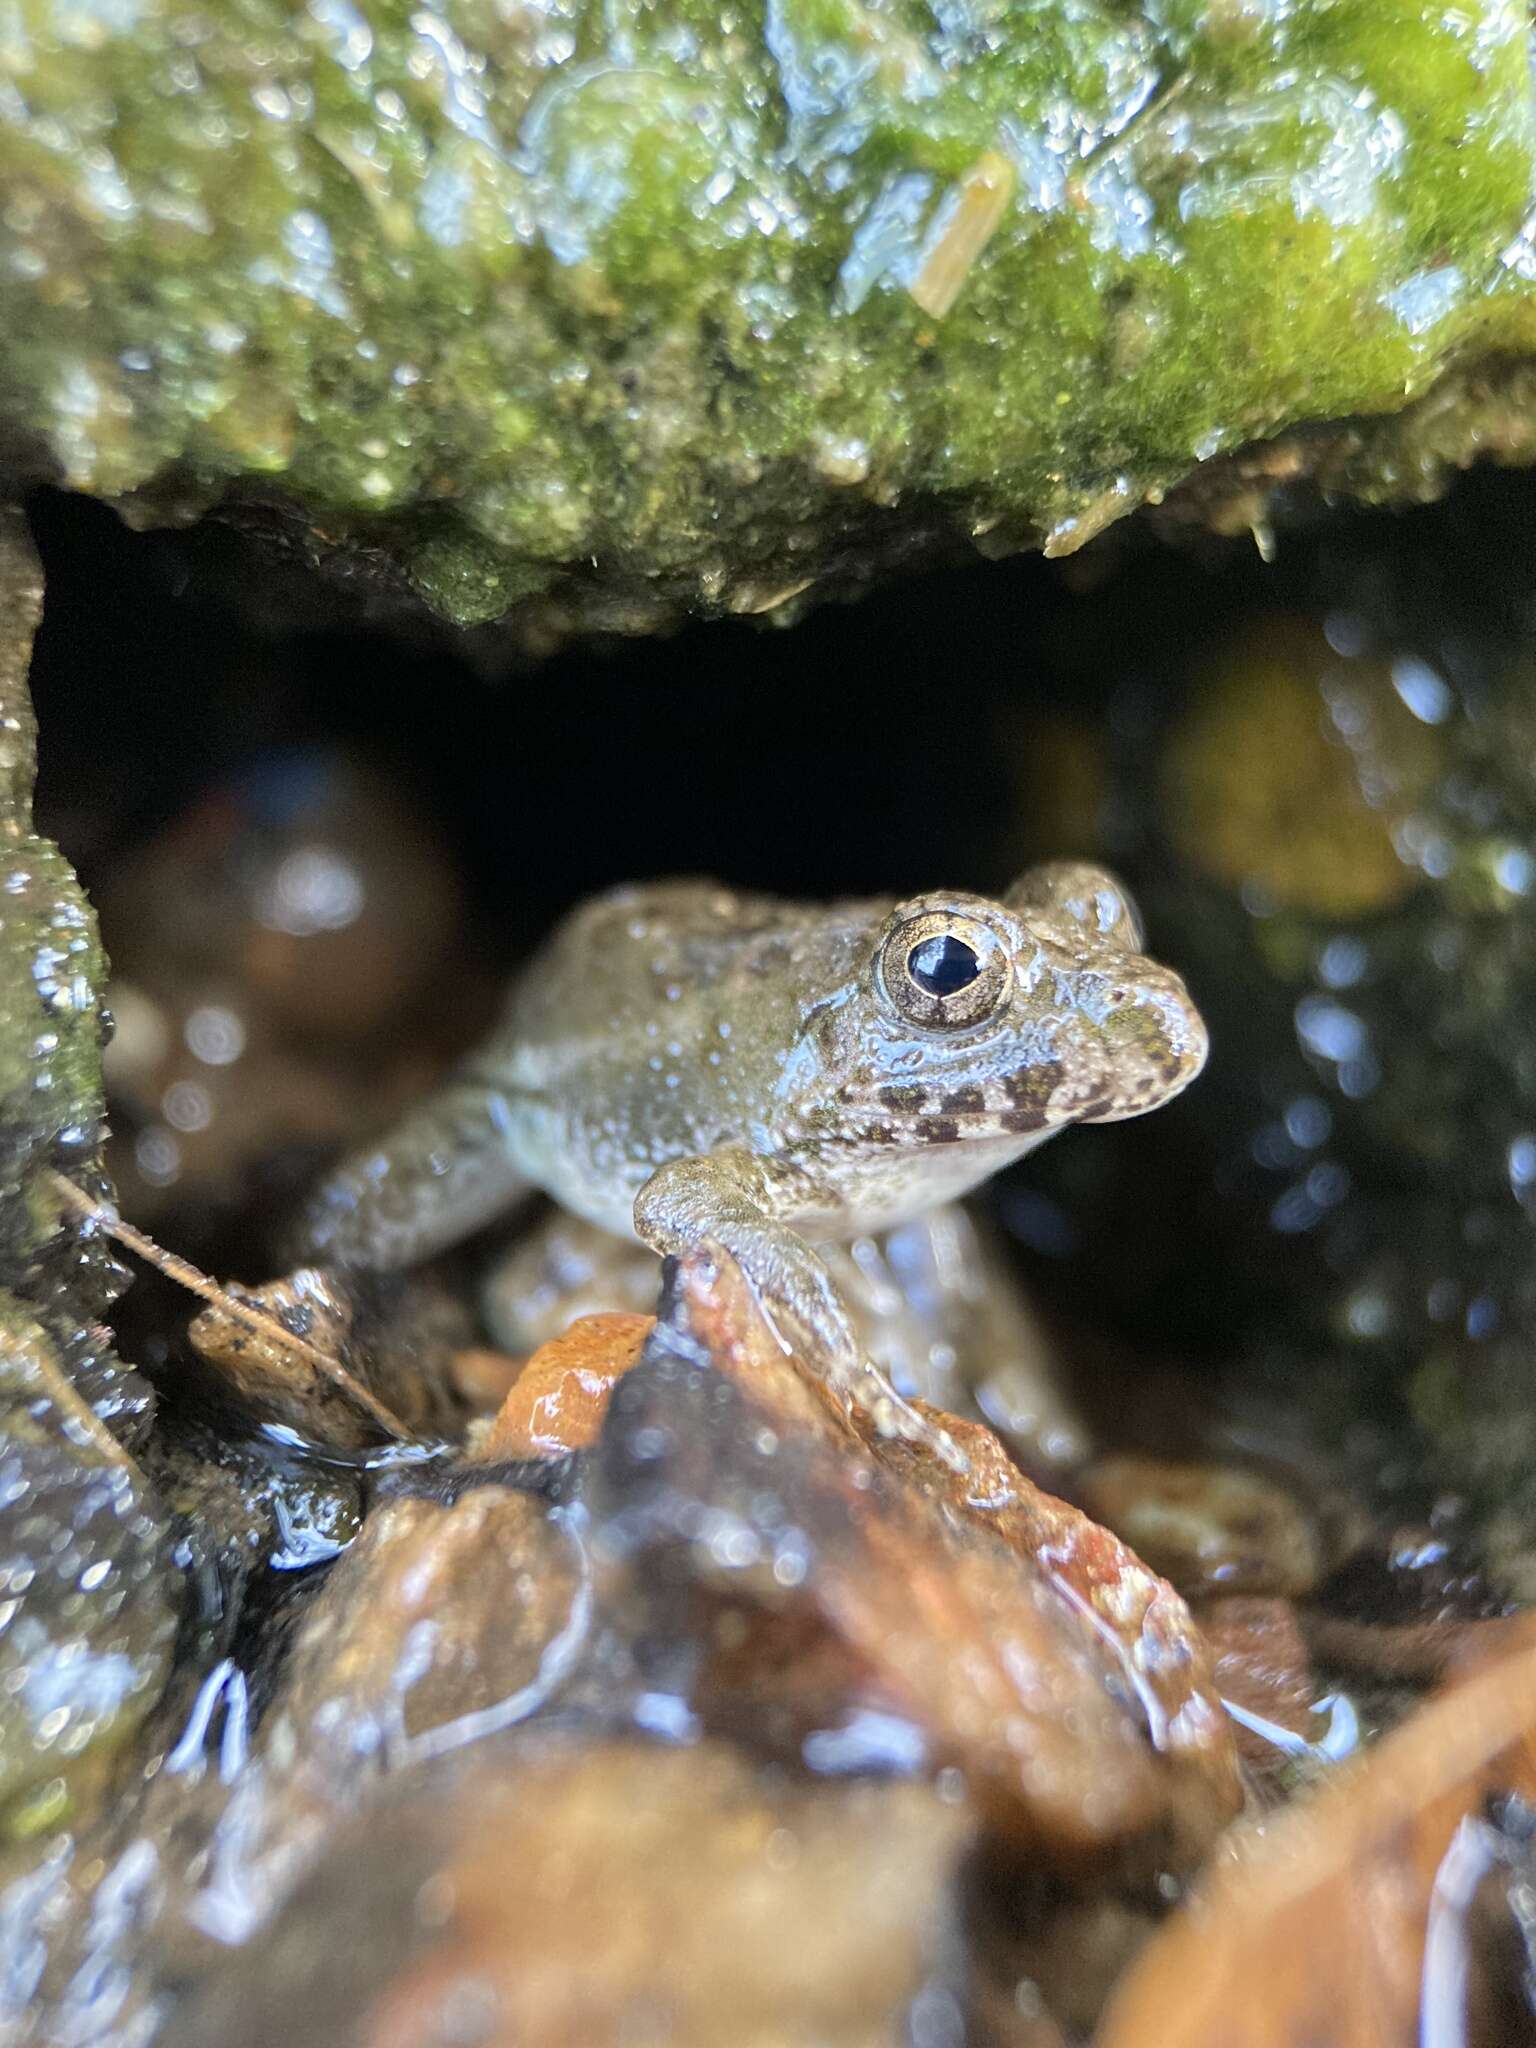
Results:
<point x="641" y="949"/>
<point x="651" y="1026"/>
<point x="692" y="929"/>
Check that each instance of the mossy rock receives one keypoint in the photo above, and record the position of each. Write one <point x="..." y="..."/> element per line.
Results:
<point x="610" y="313"/>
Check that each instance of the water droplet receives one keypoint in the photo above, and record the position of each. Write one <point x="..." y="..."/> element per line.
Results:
<point x="1329" y="1030"/>
<point x="1308" y="1121"/>
<point x="1427" y="695"/>
<point x="215" y="1035"/>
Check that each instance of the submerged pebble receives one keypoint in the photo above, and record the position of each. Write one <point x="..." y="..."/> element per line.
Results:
<point x="1208" y="1527"/>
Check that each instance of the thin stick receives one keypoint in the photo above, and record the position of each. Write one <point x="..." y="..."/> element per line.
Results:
<point x="256" y="1320"/>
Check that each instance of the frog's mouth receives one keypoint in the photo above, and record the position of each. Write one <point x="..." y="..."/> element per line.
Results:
<point x="1029" y="1103"/>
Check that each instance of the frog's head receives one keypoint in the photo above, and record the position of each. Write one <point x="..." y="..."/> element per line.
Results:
<point x="979" y="1027"/>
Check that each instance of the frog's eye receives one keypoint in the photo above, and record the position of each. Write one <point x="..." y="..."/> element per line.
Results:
<point x="944" y="970"/>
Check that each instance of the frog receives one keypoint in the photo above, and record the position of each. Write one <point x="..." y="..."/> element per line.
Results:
<point x="704" y="1068"/>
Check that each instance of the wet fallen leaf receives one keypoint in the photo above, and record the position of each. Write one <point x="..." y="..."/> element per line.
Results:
<point x="1342" y="1921"/>
<point x="1136" y="1619"/>
<point x="272" y="1359"/>
<point x="1262" y="1669"/>
<point x="320" y="1352"/>
<point x="287" y="1347"/>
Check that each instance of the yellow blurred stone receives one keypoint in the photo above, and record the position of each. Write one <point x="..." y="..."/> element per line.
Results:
<point x="1291" y="769"/>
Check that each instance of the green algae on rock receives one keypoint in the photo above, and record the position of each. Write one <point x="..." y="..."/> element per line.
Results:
<point x="649" y="308"/>
<point x="52" y="971"/>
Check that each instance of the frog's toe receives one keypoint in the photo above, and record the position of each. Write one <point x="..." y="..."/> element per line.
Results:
<point x="894" y="1416"/>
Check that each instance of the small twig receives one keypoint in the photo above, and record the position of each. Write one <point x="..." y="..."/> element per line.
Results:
<point x="258" y="1321"/>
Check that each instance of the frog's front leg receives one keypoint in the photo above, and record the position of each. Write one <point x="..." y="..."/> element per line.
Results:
<point x="730" y="1198"/>
<point x="438" y="1176"/>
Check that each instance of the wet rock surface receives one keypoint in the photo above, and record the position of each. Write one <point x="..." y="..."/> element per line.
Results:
<point x="443" y="1625"/>
<point x="622" y="1892"/>
<point x="51" y="1034"/>
<point x="1033" y="1650"/>
<point x="735" y="1560"/>
<point x="88" y="1600"/>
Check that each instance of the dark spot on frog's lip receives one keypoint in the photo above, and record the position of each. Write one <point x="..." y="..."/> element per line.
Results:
<point x="964" y="1101"/>
<point x="1096" y="1108"/>
<point x="1021" y="1122"/>
<point x="937" y="1130"/>
<point x="905" y="1101"/>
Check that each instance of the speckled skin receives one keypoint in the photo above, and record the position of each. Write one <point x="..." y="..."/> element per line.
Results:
<point x="692" y="1065"/>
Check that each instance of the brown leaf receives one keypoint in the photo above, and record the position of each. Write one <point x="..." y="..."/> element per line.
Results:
<point x="1315" y="1931"/>
<point x="287" y="1357"/>
<point x="1136" y="1616"/>
<point x="1261" y="1665"/>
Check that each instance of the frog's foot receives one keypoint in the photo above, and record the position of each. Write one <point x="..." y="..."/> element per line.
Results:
<point x="893" y="1415"/>
<point x="723" y="1199"/>
<point x="802" y="1307"/>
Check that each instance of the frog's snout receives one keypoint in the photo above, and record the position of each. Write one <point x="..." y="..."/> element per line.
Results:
<point x="1152" y="1039"/>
